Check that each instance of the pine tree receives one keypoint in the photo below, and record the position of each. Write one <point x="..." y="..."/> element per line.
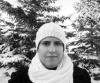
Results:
<point x="87" y="35"/>
<point x="19" y="26"/>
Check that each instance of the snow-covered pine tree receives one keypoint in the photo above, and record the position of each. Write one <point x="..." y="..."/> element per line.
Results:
<point x="87" y="37"/>
<point x="19" y="21"/>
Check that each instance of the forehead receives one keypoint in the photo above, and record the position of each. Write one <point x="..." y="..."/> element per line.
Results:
<point x="51" y="39"/>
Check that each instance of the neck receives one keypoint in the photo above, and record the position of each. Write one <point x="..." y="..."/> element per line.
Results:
<point x="52" y="68"/>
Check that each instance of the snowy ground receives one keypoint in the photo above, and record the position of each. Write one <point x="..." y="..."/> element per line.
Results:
<point x="4" y="78"/>
<point x="93" y="81"/>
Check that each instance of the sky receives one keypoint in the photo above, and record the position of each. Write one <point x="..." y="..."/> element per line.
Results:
<point x="66" y="7"/>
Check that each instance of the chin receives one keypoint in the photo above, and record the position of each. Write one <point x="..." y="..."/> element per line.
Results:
<point x="52" y="65"/>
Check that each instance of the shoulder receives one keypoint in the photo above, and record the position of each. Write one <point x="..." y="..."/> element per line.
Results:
<point x="81" y="75"/>
<point x="20" y="76"/>
<point x="78" y="70"/>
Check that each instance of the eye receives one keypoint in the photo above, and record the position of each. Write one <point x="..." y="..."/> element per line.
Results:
<point x="46" y="43"/>
<point x="58" y="43"/>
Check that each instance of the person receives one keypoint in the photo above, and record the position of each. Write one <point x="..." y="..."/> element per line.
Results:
<point x="51" y="64"/>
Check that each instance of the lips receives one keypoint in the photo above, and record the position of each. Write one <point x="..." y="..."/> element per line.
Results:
<point x="51" y="55"/>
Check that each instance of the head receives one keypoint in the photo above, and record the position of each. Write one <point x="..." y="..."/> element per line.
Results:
<point x="50" y="44"/>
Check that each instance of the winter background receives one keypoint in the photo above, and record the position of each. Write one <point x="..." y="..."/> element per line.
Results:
<point x="20" y="19"/>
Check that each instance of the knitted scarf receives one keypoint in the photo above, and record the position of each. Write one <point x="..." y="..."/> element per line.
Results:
<point x="39" y="74"/>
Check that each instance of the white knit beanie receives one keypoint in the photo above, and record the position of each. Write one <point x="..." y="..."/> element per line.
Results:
<point x="50" y="30"/>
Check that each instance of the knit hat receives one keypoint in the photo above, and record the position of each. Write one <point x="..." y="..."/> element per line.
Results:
<point x="50" y="30"/>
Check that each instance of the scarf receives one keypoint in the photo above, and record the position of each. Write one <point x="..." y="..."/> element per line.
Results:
<point x="39" y="74"/>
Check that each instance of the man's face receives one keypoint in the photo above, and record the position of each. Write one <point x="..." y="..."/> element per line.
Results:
<point x="51" y="52"/>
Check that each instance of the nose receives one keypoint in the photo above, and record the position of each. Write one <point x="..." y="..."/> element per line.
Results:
<point x="52" y="48"/>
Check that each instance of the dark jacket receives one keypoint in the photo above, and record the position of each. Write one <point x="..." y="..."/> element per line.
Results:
<point x="21" y="76"/>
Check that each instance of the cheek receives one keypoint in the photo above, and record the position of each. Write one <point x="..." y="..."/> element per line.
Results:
<point x="60" y="52"/>
<point x="42" y="52"/>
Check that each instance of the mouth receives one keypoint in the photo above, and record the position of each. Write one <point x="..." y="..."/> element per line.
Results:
<point x="51" y="55"/>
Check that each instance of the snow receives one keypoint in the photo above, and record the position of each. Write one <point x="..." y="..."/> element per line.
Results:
<point x="14" y="3"/>
<point x="3" y="77"/>
<point x="93" y="81"/>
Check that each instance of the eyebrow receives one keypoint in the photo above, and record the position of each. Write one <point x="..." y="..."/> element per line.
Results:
<point x="50" y="41"/>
